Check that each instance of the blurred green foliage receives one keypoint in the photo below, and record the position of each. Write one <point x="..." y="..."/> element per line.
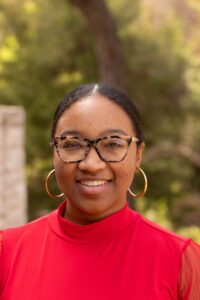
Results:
<point x="47" y="49"/>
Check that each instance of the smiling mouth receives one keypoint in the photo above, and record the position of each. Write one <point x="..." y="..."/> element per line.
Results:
<point x="93" y="183"/>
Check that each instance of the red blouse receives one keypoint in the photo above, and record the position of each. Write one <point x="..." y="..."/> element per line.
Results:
<point x="123" y="256"/>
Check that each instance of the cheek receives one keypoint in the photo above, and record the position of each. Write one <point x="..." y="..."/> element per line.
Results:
<point x="125" y="172"/>
<point x="64" y="172"/>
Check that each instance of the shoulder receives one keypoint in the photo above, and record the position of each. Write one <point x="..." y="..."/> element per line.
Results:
<point x="31" y="230"/>
<point x="159" y="237"/>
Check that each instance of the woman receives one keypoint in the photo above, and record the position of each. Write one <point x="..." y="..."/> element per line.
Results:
<point x="94" y="247"/>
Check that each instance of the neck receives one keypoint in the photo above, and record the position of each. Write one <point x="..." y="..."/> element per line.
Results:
<point x="80" y="218"/>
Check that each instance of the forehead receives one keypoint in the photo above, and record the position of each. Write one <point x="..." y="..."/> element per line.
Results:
<point x="93" y="116"/>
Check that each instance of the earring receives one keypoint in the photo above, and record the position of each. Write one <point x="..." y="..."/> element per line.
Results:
<point x="46" y="186"/>
<point x="145" y="186"/>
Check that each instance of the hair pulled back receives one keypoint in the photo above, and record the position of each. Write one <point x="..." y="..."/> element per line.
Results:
<point x="107" y="91"/>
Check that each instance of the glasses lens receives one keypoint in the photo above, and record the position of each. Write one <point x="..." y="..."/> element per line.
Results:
<point x="71" y="149"/>
<point x="112" y="148"/>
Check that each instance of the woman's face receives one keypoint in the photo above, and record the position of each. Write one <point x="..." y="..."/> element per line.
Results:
<point x="95" y="188"/>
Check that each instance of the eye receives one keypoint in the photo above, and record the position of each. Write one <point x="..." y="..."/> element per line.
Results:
<point x="71" y="145"/>
<point x="114" y="143"/>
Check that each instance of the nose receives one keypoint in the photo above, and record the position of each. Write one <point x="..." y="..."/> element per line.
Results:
<point x="92" y="163"/>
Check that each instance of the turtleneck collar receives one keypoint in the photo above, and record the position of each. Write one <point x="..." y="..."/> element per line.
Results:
<point x="109" y="227"/>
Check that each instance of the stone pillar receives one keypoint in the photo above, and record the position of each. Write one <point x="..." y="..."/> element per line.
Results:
<point x="13" y="194"/>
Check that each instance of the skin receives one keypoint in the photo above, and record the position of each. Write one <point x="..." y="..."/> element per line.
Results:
<point x="93" y="117"/>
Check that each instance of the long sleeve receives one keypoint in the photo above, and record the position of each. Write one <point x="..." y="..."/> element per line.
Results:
<point x="189" y="275"/>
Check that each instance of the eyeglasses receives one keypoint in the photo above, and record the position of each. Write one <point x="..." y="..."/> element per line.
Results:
<point x="73" y="149"/>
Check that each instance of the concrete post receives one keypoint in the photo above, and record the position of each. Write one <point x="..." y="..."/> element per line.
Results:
<point x="13" y="194"/>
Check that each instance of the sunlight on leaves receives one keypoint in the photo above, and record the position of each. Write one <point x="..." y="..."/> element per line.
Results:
<point x="69" y="78"/>
<point x="30" y="7"/>
<point x="8" y="52"/>
<point x="192" y="232"/>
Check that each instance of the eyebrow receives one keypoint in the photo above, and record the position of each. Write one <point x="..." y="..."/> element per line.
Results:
<point x="72" y="132"/>
<point x="108" y="131"/>
<point x="118" y="131"/>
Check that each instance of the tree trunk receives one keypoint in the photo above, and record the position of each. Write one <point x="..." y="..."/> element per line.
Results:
<point x="108" y="46"/>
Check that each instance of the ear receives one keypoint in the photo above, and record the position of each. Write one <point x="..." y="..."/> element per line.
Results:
<point x="140" y="150"/>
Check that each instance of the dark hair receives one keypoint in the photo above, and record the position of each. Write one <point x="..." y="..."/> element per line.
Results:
<point x="105" y="90"/>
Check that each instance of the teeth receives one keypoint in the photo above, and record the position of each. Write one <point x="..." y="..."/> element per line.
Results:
<point x="93" y="183"/>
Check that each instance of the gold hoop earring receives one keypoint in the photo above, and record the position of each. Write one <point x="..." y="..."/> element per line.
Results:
<point x="46" y="186"/>
<point x="145" y="186"/>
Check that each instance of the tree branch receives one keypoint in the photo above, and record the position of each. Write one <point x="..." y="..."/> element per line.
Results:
<point x="173" y="150"/>
<point x="109" y="51"/>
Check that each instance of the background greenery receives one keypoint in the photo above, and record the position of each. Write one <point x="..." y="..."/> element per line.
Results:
<point x="47" y="49"/>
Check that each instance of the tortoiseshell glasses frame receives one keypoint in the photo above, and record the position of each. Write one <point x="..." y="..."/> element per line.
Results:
<point x="73" y="149"/>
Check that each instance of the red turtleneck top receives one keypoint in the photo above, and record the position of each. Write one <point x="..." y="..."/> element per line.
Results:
<point x="122" y="257"/>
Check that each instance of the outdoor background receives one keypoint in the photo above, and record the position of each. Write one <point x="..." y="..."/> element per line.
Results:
<point x="148" y="48"/>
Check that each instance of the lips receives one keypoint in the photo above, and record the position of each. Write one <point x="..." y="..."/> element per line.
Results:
<point x="91" y="187"/>
<point x="93" y="183"/>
